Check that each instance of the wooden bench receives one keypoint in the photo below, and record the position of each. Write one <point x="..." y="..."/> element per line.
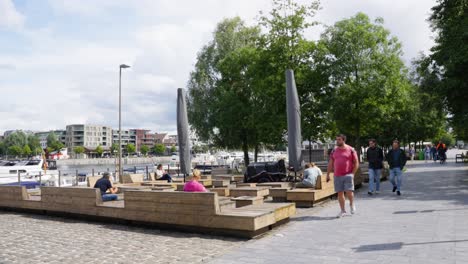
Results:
<point x="220" y="183"/>
<point x="239" y="184"/>
<point x="307" y="197"/>
<point x="279" y="194"/>
<point x="242" y="201"/>
<point x="275" y="184"/>
<point x="196" y="212"/>
<point x="221" y="191"/>
<point x="249" y="191"/>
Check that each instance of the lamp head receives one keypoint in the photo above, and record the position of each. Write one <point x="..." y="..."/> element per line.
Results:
<point x="124" y="66"/>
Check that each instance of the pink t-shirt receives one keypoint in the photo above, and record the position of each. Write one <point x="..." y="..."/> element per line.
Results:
<point x="194" y="186"/>
<point x="343" y="160"/>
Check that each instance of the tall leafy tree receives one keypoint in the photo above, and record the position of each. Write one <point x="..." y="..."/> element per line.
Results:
<point x="369" y="79"/>
<point x="26" y="150"/>
<point x="159" y="149"/>
<point x="15" y="150"/>
<point x="79" y="150"/>
<point x="130" y="148"/>
<point x="34" y="143"/>
<point x="216" y="112"/>
<point x="99" y="150"/>
<point x="114" y="148"/>
<point x="144" y="150"/>
<point x="17" y="138"/>
<point x="449" y="20"/>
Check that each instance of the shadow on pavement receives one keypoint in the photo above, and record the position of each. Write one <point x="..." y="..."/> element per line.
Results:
<point x="399" y="245"/>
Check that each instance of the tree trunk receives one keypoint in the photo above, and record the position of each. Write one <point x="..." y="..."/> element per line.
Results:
<point x="310" y="150"/>
<point x="358" y="139"/>
<point x="256" y="153"/>
<point x="245" y="149"/>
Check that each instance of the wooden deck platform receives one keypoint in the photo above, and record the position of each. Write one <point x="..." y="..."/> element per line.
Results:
<point x="196" y="212"/>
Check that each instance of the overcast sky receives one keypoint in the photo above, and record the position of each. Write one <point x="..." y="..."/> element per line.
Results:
<point x="59" y="59"/>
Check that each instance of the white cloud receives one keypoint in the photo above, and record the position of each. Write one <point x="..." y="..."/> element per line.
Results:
<point x="10" y="18"/>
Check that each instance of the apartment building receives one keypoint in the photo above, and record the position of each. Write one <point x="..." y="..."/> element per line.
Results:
<point x="143" y="137"/>
<point x="88" y="136"/>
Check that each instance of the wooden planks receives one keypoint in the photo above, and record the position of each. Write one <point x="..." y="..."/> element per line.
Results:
<point x="250" y="191"/>
<point x="247" y="200"/>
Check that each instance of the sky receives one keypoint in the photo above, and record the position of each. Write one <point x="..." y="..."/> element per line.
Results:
<point x="59" y="60"/>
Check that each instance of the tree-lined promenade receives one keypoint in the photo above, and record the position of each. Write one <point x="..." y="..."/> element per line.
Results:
<point x="352" y="80"/>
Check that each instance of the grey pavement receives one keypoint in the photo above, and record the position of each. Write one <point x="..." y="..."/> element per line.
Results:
<point x="427" y="224"/>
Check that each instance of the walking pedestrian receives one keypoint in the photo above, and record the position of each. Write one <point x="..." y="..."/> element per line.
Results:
<point x="344" y="163"/>
<point x="396" y="159"/>
<point x="375" y="158"/>
<point x="434" y="153"/>
<point x="427" y="153"/>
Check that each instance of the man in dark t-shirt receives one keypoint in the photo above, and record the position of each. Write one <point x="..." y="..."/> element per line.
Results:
<point x="104" y="185"/>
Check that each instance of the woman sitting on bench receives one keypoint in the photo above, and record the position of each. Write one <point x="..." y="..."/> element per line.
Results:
<point x="162" y="175"/>
<point x="194" y="185"/>
<point x="311" y="173"/>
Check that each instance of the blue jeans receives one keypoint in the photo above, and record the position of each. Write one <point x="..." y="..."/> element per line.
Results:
<point x="166" y="177"/>
<point x="374" y="175"/>
<point x="109" y="197"/>
<point x="396" y="172"/>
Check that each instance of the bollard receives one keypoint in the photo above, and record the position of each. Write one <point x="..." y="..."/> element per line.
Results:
<point x="59" y="179"/>
<point x="19" y="178"/>
<point x="40" y="179"/>
<point x="76" y="177"/>
<point x="204" y="168"/>
<point x="147" y="173"/>
<point x="134" y="169"/>
<point x="93" y="172"/>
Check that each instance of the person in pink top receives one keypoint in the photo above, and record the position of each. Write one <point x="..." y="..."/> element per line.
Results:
<point x="344" y="163"/>
<point x="194" y="185"/>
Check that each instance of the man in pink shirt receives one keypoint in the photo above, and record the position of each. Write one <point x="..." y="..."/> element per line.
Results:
<point x="344" y="163"/>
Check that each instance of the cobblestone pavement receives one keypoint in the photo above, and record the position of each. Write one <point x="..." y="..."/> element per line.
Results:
<point x="427" y="224"/>
<point x="28" y="238"/>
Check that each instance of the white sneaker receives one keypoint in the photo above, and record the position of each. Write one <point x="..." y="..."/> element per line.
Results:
<point x="341" y="214"/>
<point x="353" y="209"/>
<point x="376" y="192"/>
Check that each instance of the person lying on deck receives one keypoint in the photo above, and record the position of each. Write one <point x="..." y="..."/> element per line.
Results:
<point x="194" y="185"/>
<point x="161" y="174"/>
<point x="105" y="185"/>
<point x="311" y="173"/>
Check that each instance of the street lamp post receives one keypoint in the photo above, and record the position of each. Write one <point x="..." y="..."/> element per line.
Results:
<point x="122" y="66"/>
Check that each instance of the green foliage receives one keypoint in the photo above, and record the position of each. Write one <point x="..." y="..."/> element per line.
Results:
<point x="173" y="149"/>
<point x="159" y="149"/>
<point x="17" y="138"/>
<point x="34" y="143"/>
<point x="99" y="150"/>
<point x="371" y="88"/>
<point x="52" y="142"/>
<point x="200" y="148"/>
<point x="130" y="148"/>
<point x="237" y="90"/>
<point x="114" y="148"/>
<point x="144" y="149"/>
<point x="26" y="150"/>
<point x="79" y="150"/>
<point x="15" y="150"/>
<point x="450" y="22"/>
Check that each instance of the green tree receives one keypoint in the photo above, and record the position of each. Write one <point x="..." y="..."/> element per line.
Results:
<point x="368" y="76"/>
<point x="159" y="149"/>
<point x="449" y="20"/>
<point x="15" y="150"/>
<point x="34" y="144"/>
<point x="17" y="138"/>
<point x="130" y="148"/>
<point x="79" y="150"/>
<point x="173" y="149"/>
<point x="219" y="103"/>
<point x="3" y="148"/>
<point x="114" y="149"/>
<point x="51" y="139"/>
<point x="99" y="150"/>
<point x="26" y="150"/>
<point x="144" y="150"/>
